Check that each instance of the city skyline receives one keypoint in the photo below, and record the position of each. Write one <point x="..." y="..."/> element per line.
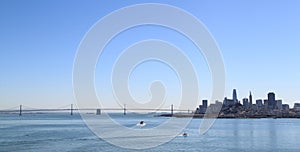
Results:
<point x="259" y="42"/>
<point x="235" y="100"/>
<point x="234" y="108"/>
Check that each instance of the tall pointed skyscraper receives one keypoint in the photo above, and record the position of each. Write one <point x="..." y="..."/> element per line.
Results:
<point x="234" y="96"/>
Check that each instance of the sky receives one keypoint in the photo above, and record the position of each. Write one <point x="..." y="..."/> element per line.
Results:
<point x="259" y="41"/>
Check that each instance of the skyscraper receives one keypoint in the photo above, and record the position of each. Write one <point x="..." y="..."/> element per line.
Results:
<point x="234" y="96"/>
<point x="271" y="101"/>
<point x="204" y="103"/>
<point x="202" y="108"/>
<point x="250" y="99"/>
<point x="266" y="104"/>
<point x="271" y="96"/>
<point x="279" y="104"/>
<point x="245" y="102"/>
<point x="259" y="103"/>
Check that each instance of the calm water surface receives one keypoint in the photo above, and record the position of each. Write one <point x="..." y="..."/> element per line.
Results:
<point x="62" y="132"/>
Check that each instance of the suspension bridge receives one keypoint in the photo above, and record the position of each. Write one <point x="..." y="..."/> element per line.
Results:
<point x="23" y="109"/>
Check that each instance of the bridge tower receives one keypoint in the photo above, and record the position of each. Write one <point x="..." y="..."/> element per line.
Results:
<point x="71" y="109"/>
<point x="20" y="110"/>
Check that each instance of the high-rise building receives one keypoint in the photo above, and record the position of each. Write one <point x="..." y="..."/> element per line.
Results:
<point x="234" y="96"/>
<point x="215" y="108"/>
<point x="245" y="102"/>
<point x="225" y="101"/>
<point x="297" y="106"/>
<point x="279" y="104"/>
<point x="285" y="107"/>
<point x="271" y="96"/>
<point x="204" y="103"/>
<point x="228" y="102"/>
<point x="202" y="108"/>
<point x="266" y="103"/>
<point x="250" y="99"/>
<point x="271" y="101"/>
<point x="259" y="104"/>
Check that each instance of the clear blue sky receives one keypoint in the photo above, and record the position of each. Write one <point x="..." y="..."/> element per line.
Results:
<point x="259" y="41"/>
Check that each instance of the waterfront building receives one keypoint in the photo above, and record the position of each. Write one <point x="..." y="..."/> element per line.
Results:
<point x="234" y="100"/>
<point x="254" y="107"/>
<point x="198" y="110"/>
<point x="225" y="101"/>
<point x="266" y="104"/>
<point x="214" y="108"/>
<point x="259" y="104"/>
<point x="219" y="104"/>
<point x="285" y="107"/>
<point x="202" y="108"/>
<point x="297" y="106"/>
<point x="245" y="102"/>
<point x="228" y="102"/>
<point x="204" y="103"/>
<point x="279" y="104"/>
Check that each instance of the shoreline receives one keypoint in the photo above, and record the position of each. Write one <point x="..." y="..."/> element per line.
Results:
<point x="227" y="117"/>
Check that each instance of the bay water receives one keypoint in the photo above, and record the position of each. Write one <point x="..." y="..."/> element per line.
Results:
<point x="63" y="132"/>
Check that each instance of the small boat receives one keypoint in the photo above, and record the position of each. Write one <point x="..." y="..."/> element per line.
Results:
<point x="141" y="124"/>
<point x="185" y="134"/>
